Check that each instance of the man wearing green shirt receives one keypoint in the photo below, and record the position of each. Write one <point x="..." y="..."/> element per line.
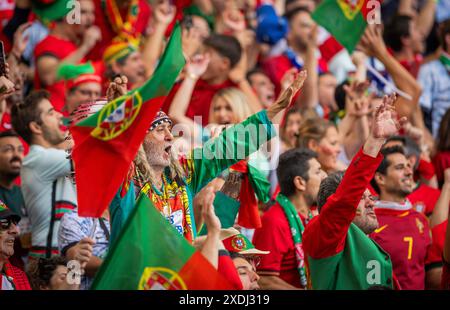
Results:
<point x="339" y="255"/>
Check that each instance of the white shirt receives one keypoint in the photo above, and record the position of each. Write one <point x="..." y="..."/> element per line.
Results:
<point x="45" y="182"/>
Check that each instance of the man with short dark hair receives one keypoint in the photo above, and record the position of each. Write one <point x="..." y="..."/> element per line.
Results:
<point x="403" y="232"/>
<point x="339" y="255"/>
<point x="47" y="189"/>
<point x="299" y="175"/>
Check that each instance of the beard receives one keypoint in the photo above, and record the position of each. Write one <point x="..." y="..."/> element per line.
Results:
<point x="54" y="137"/>
<point x="155" y="154"/>
<point x="365" y="223"/>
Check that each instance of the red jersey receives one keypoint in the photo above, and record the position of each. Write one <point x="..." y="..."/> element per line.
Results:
<point x="441" y="162"/>
<point x="201" y="99"/>
<point x="405" y="235"/>
<point x="424" y="198"/>
<point x="101" y="20"/>
<point x="60" y="49"/>
<point x="275" y="236"/>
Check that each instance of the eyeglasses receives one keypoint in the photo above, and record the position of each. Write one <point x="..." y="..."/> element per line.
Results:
<point x="5" y="224"/>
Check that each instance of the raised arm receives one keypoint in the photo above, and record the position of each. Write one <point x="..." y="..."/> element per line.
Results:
<point x="373" y="45"/>
<point x="194" y="69"/>
<point x="357" y="109"/>
<point x="163" y="15"/>
<point x="237" y="142"/>
<point x="330" y="229"/>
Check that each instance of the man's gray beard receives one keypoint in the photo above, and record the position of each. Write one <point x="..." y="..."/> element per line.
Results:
<point x="152" y="156"/>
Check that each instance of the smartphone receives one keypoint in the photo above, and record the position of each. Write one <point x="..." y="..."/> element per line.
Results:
<point x="2" y="60"/>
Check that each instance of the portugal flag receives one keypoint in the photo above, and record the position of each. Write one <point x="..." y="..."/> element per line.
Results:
<point x="107" y="142"/>
<point x="346" y="20"/>
<point x="151" y="255"/>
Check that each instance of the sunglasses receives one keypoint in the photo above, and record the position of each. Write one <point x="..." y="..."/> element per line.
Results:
<point x="5" y="224"/>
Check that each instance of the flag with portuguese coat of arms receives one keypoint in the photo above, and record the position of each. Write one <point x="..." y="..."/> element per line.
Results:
<point x="107" y="142"/>
<point x="346" y="20"/>
<point x="151" y="255"/>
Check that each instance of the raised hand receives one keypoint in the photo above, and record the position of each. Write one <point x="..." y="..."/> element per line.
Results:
<point x="286" y="96"/>
<point x="191" y="41"/>
<point x="20" y="40"/>
<point x="372" y="43"/>
<point x="91" y="37"/>
<point x="288" y="78"/>
<point x="385" y="122"/>
<point x="234" y="20"/>
<point x="356" y="101"/>
<point x="6" y="87"/>
<point x="164" y="13"/>
<point x="197" y="65"/>
<point x="117" y="88"/>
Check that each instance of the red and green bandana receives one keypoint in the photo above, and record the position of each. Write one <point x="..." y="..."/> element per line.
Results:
<point x="297" y="228"/>
<point x="445" y="60"/>
<point x="124" y="29"/>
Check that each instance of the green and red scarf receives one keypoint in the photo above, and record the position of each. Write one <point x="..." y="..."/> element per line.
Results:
<point x="297" y="228"/>
<point x="123" y="28"/>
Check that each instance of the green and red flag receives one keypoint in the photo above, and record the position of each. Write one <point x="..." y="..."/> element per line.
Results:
<point x="346" y="20"/>
<point x="151" y="255"/>
<point x="107" y="142"/>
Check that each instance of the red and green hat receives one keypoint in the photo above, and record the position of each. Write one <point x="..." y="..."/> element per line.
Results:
<point x="235" y="242"/>
<point x="119" y="50"/>
<point x="51" y="10"/>
<point x="75" y="75"/>
<point x="6" y="212"/>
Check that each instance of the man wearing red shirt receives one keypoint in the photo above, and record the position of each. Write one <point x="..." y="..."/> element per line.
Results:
<point x="225" y="53"/>
<point x="403" y="232"/>
<point x="67" y="42"/>
<point x="299" y="174"/>
<point x="136" y="13"/>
